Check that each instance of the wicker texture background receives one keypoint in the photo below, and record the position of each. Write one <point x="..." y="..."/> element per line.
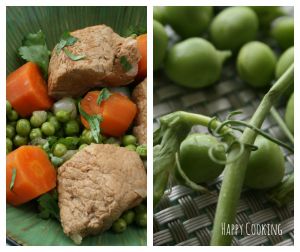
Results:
<point x="185" y="217"/>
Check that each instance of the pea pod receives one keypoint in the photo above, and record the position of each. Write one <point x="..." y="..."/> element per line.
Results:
<point x="188" y="21"/>
<point x="233" y="27"/>
<point x="195" y="160"/>
<point x="285" y="60"/>
<point x="283" y="31"/>
<point x="160" y="43"/>
<point x="263" y="171"/>
<point x="195" y="63"/>
<point x="256" y="64"/>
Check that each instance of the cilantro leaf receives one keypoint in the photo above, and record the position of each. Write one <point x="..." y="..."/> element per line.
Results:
<point x="93" y="121"/>
<point x="66" y="40"/>
<point x="34" y="49"/>
<point x="70" y="142"/>
<point x="13" y="178"/>
<point x="125" y="63"/>
<point x="73" y="56"/>
<point x="104" y="95"/>
<point x="48" y="206"/>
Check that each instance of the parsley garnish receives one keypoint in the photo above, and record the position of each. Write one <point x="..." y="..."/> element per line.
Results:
<point x="125" y="63"/>
<point x="94" y="122"/>
<point x="104" y="95"/>
<point x="67" y="40"/>
<point x="13" y="178"/>
<point x="34" y="49"/>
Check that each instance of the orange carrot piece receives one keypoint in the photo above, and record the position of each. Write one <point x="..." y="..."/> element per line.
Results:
<point x="26" y="90"/>
<point x="118" y="112"/>
<point x="35" y="174"/>
<point x="142" y="46"/>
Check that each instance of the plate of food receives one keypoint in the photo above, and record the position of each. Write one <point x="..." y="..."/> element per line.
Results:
<point x="76" y="146"/>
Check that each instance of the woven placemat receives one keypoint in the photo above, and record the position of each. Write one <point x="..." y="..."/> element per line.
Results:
<point x="185" y="217"/>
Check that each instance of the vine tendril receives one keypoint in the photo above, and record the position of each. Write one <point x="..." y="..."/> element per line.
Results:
<point x="189" y="182"/>
<point x="230" y="123"/>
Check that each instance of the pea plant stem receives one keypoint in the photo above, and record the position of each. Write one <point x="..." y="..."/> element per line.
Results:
<point x="234" y="173"/>
<point x="282" y="124"/>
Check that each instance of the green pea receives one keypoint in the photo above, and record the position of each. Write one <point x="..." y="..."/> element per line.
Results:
<point x="59" y="150"/>
<point x="82" y="146"/>
<point x="35" y="133"/>
<point x="12" y="116"/>
<point x="119" y="226"/>
<point x="20" y="140"/>
<point x="142" y="150"/>
<point x="128" y="216"/>
<point x="10" y="131"/>
<point x="38" y="118"/>
<point x="23" y="127"/>
<point x="141" y="208"/>
<point x="71" y="128"/>
<point x="131" y="147"/>
<point x="57" y="125"/>
<point x="48" y="129"/>
<point x="141" y="219"/>
<point x="63" y="116"/>
<point x="128" y="139"/>
<point x="9" y="145"/>
<point x="86" y="137"/>
<point x="8" y="107"/>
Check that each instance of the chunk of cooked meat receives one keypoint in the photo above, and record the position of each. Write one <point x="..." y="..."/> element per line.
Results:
<point x="139" y="96"/>
<point x="105" y="53"/>
<point x="96" y="186"/>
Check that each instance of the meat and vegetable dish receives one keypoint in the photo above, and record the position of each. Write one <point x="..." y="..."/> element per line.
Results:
<point x="76" y="130"/>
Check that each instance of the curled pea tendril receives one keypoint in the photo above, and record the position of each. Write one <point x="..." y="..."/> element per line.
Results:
<point x="189" y="182"/>
<point x="230" y="123"/>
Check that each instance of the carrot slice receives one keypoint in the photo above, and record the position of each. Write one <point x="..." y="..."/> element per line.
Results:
<point x="142" y="46"/>
<point x="34" y="174"/>
<point x="26" y="90"/>
<point x="118" y="112"/>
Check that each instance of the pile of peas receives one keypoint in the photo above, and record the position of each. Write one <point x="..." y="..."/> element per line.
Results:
<point x="42" y="125"/>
